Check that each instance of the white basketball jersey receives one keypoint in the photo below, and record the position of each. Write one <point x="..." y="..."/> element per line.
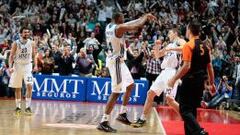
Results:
<point x="117" y="44"/>
<point x="170" y="59"/>
<point x="23" y="52"/>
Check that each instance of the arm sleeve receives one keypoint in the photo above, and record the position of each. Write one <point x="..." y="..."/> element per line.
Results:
<point x="187" y="53"/>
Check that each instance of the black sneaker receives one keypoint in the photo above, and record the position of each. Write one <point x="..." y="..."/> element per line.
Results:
<point x="123" y="119"/>
<point x="18" y="111"/>
<point x="203" y="132"/>
<point x="139" y="123"/>
<point x="104" y="126"/>
<point x="28" y="111"/>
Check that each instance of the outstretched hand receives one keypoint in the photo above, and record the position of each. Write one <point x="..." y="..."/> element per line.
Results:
<point x="151" y="17"/>
<point x="158" y="52"/>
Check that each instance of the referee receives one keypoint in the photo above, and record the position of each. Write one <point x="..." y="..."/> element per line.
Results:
<point x="196" y="65"/>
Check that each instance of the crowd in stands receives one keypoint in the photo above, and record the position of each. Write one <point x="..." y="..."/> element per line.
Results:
<point x="70" y="33"/>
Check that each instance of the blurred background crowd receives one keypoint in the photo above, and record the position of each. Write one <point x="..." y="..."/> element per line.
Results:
<point x="69" y="35"/>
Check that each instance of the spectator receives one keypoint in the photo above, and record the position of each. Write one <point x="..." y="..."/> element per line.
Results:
<point x="105" y="73"/>
<point x="91" y="43"/>
<point x="236" y="74"/>
<point x="48" y="63"/>
<point x="66" y="62"/>
<point x="135" y="63"/>
<point x="135" y="46"/>
<point x="93" y="47"/>
<point x="56" y="56"/>
<point x="224" y="92"/>
<point x="39" y="56"/>
<point x="207" y="93"/>
<point x="84" y="64"/>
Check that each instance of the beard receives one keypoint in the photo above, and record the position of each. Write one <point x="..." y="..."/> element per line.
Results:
<point x="25" y="37"/>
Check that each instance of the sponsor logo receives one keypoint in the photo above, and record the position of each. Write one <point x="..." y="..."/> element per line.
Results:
<point x="57" y="87"/>
<point x="103" y="91"/>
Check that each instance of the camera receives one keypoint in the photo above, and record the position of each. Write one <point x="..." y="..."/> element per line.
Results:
<point x="224" y="78"/>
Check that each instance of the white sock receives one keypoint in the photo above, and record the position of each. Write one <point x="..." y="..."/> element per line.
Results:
<point x="105" y="118"/>
<point x="123" y="109"/>
<point x="18" y="103"/>
<point x="28" y="102"/>
<point x="143" y="117"/>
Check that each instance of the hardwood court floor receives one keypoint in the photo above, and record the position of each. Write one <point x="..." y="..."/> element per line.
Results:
<point x="70" y="118"/>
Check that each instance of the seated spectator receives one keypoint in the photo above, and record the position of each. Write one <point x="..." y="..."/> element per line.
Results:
<point x="224" y="92"/>
<point x="84" y="64"/>
<point x="48" y="63"/>
<point x="105" y="72"/>
<point x="66" y="62"/>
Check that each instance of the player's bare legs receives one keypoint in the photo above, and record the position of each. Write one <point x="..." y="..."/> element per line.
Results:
<point x="146" y="109"/>
<point x="173" y="103"/>
<point x="127" y="94"/>
<point x="28" y="99"/>
<point x="110" y="104"/>
<point x="104" y="124"/>
<point x="18" y="100"/>
<point x="122" y="117"/>
<point x="148" y="104"/>
<point x="109" y="107"/>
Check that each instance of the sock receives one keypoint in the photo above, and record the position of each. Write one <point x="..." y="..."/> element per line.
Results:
<point x="18" y="103"/>
<point x="123" y="109"/>
<point x="28" y="102"/>
<point x="105" y="118"/>
<point x="143" y="117"/>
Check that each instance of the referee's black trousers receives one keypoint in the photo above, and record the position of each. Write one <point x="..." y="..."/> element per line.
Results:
<point x="191" y="92"/>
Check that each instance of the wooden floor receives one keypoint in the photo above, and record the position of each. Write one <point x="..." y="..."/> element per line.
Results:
<point x="70" y="118"/>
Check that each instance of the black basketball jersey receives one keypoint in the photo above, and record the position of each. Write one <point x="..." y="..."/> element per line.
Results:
<point x="200" y="59"/>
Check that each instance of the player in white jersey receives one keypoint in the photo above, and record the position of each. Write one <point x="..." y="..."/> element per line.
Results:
<point x="121" y="78"/>
<point x="20" y="67"/>
<point x="169" y="65"/>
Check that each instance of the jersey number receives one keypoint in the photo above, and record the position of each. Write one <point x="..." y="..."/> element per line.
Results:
<point x="202" y="50"/>
<point x="24" y="50"/>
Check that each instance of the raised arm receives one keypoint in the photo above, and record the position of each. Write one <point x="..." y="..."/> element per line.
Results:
<point x="181" y="42"/>
<point x="133" y="25"/>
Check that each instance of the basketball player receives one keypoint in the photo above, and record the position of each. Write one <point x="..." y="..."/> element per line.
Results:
<point x="196" y="66"/>
<point x="20" y="67"/>
<point x="169" y="66"/>
<point x="121" y="79"/>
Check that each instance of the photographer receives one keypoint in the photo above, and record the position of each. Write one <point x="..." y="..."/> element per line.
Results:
<point x="224" y="92"/>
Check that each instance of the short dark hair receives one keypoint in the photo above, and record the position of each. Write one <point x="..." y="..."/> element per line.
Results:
<point x="24" y="28"/>
<point x="194" y="27"/>
<point x="117" y="15"/>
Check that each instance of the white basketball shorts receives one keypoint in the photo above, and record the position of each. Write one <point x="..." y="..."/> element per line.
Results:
<point x="21" y="72"/>
<point x="160" y="84"/>
<point x="124" y="74"/>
